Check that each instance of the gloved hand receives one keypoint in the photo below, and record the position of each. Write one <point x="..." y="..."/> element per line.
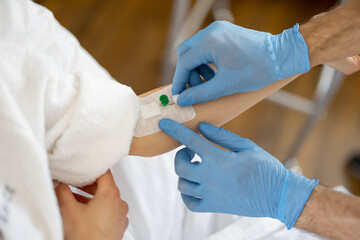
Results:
<point x="245" y="181"/>
<point x="246" y="60"/>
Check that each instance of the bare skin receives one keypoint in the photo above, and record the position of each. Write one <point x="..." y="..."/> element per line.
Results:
<point x="333" y="38"/>
<point x="334" y="35"/>
<point x="331" y="214"/>
<point x="347" y="66"/>
<point x="102" y="217"/>
<point x="216" y="112"/>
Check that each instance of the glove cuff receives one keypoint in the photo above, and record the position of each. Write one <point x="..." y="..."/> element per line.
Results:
<point x="291" y="53"/>
<point x="296" y="192"/>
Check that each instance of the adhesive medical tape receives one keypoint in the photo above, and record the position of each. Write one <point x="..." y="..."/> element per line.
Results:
<point x="151" y="112"/>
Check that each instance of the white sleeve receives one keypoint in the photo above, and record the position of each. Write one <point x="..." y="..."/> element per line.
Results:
<point x="81" y="92"/>
<point x="84" y="121"/>
<point x="61" y="116"/>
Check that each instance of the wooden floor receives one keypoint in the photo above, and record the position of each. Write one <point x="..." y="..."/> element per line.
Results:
<point x="128" y="37"/>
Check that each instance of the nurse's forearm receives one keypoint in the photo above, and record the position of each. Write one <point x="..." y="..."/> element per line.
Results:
<point x="331" y="214"/>
<point x="333" y="35"/>
<point x="216" y="112"/>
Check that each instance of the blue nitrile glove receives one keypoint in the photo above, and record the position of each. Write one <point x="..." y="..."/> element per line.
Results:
<point x="246" y="60"/>
<point x="245" y="181"/>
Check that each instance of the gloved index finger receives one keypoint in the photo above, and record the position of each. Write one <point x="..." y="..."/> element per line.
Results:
<point x="187" y="137"/>
<point x="181" y="77"/>
<point x="186" y="63"/>
<point x="225" y="138"/>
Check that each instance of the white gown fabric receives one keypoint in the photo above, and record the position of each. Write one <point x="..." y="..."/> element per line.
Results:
<point x="62" y="116"/>
<point x="156" y="211"/>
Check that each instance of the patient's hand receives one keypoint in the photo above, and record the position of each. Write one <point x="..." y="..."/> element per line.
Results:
<point x="347" y="66"/>
<point x="102" y="217"/>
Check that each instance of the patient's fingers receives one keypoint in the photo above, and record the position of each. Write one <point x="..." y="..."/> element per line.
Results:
<point x="90" y="189"/>
<point x="81" y="198"/>
<point x="105" y="182"/>
<point x="64" y="195"/>
<point x="56" y="183"/>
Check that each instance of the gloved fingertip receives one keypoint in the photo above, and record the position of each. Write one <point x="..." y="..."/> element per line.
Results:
<point x="176" y="89"/>
<point x="174" y="92"/>
<point x="184" y="99"/>
<point x="204" y="125"/>
<point x="164" y="123"/>
<point x="206" y="128"/>
<point x="182" y="49"/>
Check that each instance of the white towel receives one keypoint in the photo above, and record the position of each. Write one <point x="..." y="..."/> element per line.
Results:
<point x="58" y="107"/>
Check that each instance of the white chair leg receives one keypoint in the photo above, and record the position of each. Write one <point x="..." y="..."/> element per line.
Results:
<point x="190" y="25"/>
<point x="178" y="14"/>
<point x="329" y="83"/>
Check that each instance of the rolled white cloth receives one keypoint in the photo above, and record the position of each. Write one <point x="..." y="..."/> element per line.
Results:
<point x="62" y="116"/>
<point x="73" y="127"/>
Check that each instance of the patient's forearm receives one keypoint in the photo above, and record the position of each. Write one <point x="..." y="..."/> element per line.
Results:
<point x="331" y="214"/>
<point x="216" y="112"/>
<point x="333" y="39"/>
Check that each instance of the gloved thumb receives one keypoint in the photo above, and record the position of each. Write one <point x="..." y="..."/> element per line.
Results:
<point x="200" y="93"/>
<point x="225" y="138"/>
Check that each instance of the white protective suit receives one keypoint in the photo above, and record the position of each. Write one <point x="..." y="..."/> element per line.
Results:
<point x="62" y="116"/>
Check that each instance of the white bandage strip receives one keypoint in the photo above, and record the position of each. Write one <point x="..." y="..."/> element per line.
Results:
<point x="175" y="98"/>
<point x="149" y="118"/>
<point x="150" y="110"/>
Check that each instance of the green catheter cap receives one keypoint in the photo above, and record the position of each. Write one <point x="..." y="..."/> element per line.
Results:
<point x="164" y="100"/>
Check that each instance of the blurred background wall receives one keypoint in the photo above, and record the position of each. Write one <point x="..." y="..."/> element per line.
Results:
<point x="128" y="38"/>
